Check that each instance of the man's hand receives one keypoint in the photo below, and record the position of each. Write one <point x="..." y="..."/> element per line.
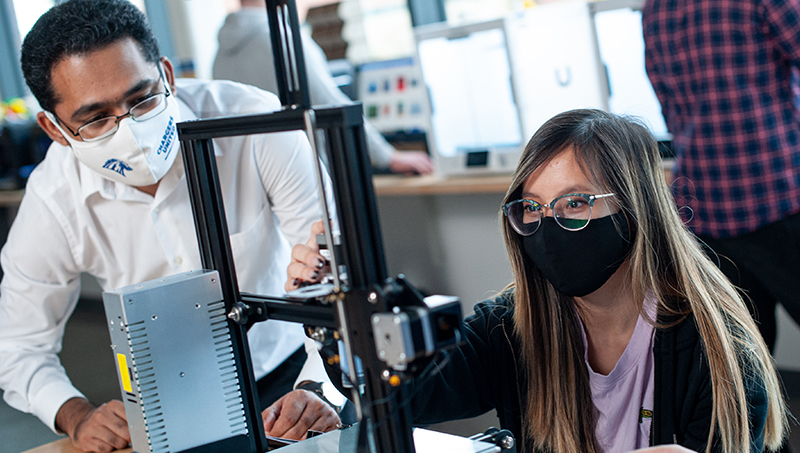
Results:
<point x="307" y="264"/>
<point x="411" y="162"/>
<point x="297" y="412"/>
<point x="101" y="429"/>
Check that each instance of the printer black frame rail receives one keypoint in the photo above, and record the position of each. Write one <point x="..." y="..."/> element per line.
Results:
<point x="385" y="425"/>
<point x="361" y="254"/>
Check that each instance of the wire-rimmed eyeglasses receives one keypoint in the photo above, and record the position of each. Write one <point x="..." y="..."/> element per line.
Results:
<point x="572" y="211"/>
<point x="105" y="127"/>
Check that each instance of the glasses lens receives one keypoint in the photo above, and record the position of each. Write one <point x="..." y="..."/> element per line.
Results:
<point x="98" y="129"/>
<point x="572" y="212"/>
<point x="149" y="108"/>
<point x="524" y="216"/>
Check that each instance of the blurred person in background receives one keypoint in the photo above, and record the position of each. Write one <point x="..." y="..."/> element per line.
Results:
<point x="245" y="56"/>
<point x="725" y="72"/>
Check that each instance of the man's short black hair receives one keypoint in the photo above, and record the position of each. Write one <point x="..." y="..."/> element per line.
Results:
<point x="79" y="27"/>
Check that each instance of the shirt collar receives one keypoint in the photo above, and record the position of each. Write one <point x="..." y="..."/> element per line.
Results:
<point x="92" y="182"/>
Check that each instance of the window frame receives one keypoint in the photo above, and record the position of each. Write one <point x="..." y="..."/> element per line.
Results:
<point x="12" y="83"/>
<point x="425" y="12"/>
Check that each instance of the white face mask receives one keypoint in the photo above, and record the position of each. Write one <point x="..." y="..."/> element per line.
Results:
<point x="138" y="154"/>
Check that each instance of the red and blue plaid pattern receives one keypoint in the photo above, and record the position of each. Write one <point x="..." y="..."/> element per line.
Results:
<point x="723" y="71"/>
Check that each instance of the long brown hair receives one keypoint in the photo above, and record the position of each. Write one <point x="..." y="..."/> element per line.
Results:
<point x="622" y="157"/>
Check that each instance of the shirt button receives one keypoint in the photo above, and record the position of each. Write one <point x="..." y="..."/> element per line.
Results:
<point x="178" y="260"/>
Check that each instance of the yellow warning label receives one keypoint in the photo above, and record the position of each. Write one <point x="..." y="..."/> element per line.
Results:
<point x="124" y="376"/>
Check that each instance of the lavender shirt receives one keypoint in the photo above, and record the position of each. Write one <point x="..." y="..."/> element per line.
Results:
<point x="624" y="398"/>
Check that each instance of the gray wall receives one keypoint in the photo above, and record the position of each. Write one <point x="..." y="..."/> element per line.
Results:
<point x="446" y="244"/>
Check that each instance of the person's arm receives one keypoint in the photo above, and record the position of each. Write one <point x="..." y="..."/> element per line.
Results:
<point x="313" y="374"/>
<point x="383" y="155"/>
<point x="101" y="429"/>
<point x="307" y="265"/>
<point x="457" y="385"/>
<point x="782" y="17"/>
<point x="324" y="91"/>
<point x="659" y="81"/>
<point x="695" y="420"/>
<point x="696" y="435"/>
<point x="655" y="67"/>
<point x="462" y="382"/>
<point x="287" y="170"/>
<point x="297" y="412"/>
<point x="757" y="409"/>
<point x="38" y="294"/>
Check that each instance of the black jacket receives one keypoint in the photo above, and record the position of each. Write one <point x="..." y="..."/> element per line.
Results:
<point x="485" y="374"/>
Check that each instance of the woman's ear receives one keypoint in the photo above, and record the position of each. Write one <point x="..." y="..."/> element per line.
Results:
<point x="51" y="129"/>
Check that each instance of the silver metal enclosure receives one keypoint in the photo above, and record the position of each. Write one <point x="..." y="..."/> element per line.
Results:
<point x="175" y="362"/>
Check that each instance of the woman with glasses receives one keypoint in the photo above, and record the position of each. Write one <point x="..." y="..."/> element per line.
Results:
<point x="617" y="333"/>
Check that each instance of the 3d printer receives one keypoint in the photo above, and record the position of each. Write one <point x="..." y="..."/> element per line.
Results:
<point x="181" y="344"/>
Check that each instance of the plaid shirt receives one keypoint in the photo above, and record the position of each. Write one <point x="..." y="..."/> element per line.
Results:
<point x="722" y="70"/>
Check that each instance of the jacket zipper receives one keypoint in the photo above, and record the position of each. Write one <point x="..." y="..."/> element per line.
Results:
<point x="516" y="375"/>
<point x="514" y="356"/>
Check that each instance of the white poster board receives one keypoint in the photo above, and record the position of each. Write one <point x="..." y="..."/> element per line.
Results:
<point x="621" y="43"/>
<point x="555" y="62"/>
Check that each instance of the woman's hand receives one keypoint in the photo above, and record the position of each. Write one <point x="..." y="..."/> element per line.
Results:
<point x="307" y="265"/>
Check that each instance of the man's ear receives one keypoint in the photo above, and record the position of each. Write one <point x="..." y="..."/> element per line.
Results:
<point x="169" y="73"/>
<point x="50" y="129"/>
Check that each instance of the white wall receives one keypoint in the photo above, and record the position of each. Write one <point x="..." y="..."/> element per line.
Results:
<point x="787" y="346"/>
<point x="446" y="244"/>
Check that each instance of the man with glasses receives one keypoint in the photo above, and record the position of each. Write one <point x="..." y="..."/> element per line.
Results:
<point x="111" y="199"/>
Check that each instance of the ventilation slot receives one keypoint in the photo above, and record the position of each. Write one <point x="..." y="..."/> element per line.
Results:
<point x="227" y="367"/>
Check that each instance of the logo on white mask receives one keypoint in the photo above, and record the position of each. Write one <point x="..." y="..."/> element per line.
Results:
<point x="117" y="166"/>
<point x="167" y="139"/>
<point x="138" y="153"/>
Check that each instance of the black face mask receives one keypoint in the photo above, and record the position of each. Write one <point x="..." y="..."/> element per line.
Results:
<point x="578" y="263"/>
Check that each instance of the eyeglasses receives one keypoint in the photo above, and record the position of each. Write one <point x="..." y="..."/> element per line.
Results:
<point x="107" y="126"/>
<point x="572" y="212"/>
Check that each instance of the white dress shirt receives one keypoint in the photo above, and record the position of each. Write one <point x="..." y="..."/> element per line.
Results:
<point x="72" y="220"/>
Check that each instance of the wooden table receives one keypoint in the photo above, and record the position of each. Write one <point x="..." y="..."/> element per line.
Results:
<point x="11" y="198"/>
<point x="62" y="446"/>
<point x="394" y="185"/>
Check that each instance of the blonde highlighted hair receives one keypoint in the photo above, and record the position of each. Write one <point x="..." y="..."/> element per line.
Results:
<point x="622" y="157"/>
